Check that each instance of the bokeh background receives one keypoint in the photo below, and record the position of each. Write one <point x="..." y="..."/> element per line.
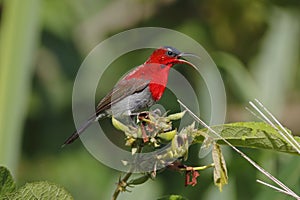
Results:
<point x="254" y="43"/>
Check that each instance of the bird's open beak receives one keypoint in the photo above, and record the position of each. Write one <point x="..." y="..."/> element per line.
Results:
<point x="181" y="60"/>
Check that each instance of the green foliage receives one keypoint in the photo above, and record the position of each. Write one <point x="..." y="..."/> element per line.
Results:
<point x="257" y="44"/>
<point x="246" y="134"/>
<point x="7" y="184"/>
<point x="42" y="190"/>
<point x="277" y="59"/>
<point x="250" y="135"/>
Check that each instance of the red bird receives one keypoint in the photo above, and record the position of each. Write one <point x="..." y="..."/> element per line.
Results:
<point x="139" y="89"/>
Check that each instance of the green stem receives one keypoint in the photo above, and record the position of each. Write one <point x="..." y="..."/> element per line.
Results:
<point x="200" y="167"/>
<point x="203" y="167"/>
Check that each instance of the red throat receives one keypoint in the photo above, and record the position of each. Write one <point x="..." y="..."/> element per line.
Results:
<point x="159" y="82"/>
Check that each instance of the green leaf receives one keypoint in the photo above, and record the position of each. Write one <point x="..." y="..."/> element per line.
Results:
<point x="173" y="197"/>
<point x="167" y="136"/>
<point x="139" y="180"/>
<point x="118" y="125"/>
<point x="39" y="190"/>
<point x="251" y="135"/>
<point x="176" y="116"/>
<point x="7" y="184"/>
<point x="220" y="170"/>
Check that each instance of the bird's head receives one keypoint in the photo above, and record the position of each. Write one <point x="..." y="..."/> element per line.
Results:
<point x="168" y="56"/>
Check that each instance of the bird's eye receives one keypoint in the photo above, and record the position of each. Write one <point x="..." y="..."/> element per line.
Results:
<point x="170" y="53"/>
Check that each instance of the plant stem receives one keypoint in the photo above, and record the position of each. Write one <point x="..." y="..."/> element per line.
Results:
<point x="200" y="167"/>
<point x="119" y="188"/>
<point x="123" y="182"/>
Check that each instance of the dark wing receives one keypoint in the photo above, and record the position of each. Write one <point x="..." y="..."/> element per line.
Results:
<point x="123" y="89"/>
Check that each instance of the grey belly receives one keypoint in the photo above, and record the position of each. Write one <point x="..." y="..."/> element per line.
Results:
<point x="131" y="104"/>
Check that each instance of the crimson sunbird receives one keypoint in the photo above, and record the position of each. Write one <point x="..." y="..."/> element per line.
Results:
<point x="137" y="90"/>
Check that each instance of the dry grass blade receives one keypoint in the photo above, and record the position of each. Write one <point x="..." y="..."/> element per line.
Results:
<point x="268" y="117"/>
<point x="272" y="186"/>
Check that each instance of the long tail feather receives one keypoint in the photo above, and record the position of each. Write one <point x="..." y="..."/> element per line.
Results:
<point x="78" y="132"/>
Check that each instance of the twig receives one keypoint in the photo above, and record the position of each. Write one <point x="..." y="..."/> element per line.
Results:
<point x="262" y="170"/>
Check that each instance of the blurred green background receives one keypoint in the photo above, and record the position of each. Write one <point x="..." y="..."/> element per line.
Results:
<point x="42" y="44"/>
